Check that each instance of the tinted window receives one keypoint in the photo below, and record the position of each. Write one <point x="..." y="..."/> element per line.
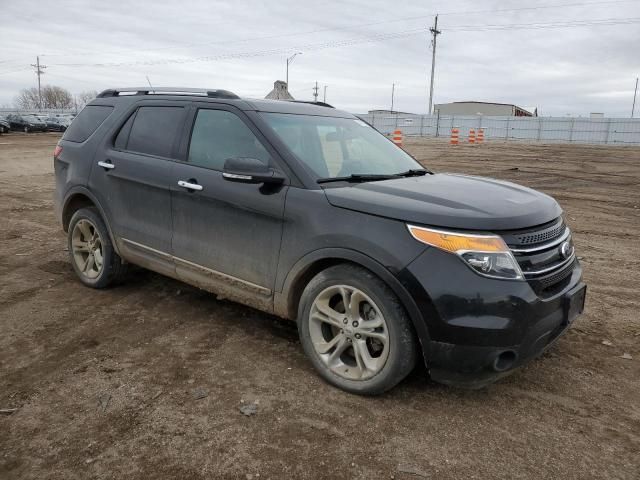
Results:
<point x="219" y="135"/>
<point x="154" y="130"/>
<point x="87" y="121"/>
<point x="123" y="135"/>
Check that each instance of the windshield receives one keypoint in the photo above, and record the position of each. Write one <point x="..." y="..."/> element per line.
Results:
<point x="31" y="118"/>
<point x="338" y="147"/>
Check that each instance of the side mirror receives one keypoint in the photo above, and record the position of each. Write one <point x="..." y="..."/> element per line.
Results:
<point x="250" y="170"/>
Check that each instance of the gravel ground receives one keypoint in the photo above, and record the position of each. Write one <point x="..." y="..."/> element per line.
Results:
<point x="147" y="380"/>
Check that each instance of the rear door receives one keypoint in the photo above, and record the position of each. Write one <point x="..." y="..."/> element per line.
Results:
<point x="132" y="176"/>
<point x="226" y="235"/>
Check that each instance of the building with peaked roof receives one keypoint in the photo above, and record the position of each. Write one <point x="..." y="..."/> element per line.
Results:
<point x="481" y="108"/>
<point x="279" y="92"/>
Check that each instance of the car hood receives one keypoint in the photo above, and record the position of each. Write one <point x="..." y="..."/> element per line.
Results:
<point x="449" y="200"/>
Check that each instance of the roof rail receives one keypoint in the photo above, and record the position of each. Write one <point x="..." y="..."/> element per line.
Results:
<point x="311" y="102"/>
<point x="115" y="92"/>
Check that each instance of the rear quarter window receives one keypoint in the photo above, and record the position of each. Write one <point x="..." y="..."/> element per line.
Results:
<point x="87" y="122"/>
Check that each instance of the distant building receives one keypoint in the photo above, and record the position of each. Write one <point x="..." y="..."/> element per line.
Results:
<point x="279" y="92"/>
<point x="481" y="108"/>
<point x="388" y="112"/>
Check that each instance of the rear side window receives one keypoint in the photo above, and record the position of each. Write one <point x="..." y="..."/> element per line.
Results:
<point x="154" y="130"/>
<point x="219" y="135"/>
<point x="87" y="122"/>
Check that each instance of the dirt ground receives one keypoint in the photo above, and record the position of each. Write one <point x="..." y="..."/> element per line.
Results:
<point x="145" y="380"/>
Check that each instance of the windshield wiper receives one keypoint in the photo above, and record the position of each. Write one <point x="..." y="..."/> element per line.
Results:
<point x="358" y="177"/>
<point x="412" y="173"/>
<point x="372" y="177"/>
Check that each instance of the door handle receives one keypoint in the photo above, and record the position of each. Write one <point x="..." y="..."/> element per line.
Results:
<point x="189" y="185"/>
<point x="107" y="164"/>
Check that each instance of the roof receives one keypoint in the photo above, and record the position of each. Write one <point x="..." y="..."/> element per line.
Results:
<point x="487" y="103"/>
<point x="279" y="92"/>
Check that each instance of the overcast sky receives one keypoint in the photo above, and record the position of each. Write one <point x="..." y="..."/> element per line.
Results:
<point x="357" y="48"/>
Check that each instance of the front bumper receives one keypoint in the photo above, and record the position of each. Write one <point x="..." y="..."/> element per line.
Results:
<point x="480" y="329"/>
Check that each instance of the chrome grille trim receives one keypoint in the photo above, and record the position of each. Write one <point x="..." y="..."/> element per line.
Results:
<point x="557" y="266"/>
<point x="545" y="246"/>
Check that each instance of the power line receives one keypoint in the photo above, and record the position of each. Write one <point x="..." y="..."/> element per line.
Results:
<point x="355" y="41"/>
<point x="349" y="27"/>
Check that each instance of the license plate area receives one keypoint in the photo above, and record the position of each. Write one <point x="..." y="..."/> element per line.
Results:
<point x="574" y="303"/>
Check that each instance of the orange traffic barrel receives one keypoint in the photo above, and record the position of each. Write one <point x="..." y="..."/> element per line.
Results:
<point x="472" y="135"/>
<point x="480" y="138"/>
<point x="455" y="135"/>
<point x="397" y="137"/>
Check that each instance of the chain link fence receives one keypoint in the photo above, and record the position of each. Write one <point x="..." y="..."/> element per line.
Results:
<point x="603" y="131"/>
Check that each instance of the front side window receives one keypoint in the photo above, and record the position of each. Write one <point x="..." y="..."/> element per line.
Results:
<point x="219" y="135"/>
<point x="335" y="147"/>
<point x="154" y="130"/>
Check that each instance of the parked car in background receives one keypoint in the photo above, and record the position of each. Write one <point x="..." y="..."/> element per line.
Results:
<point x="4" y="125"/>
<point x="26" y="123"/>
<point x="57" y="124"/>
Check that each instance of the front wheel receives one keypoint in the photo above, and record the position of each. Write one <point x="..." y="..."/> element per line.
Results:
<point x="355" y="331"/>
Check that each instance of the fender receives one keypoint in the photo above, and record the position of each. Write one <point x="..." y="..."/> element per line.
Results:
<point x="284" y="300"/>
<point x="81" y="190"/>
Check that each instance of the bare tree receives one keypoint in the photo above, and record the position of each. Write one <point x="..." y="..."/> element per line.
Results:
<point x="56" y="97"/>
<point x="52" y="97"/>
<point x="85" y="97"/>
<point x="27" y="99"/>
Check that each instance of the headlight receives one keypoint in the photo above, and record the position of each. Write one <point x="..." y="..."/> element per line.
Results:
<point x="487" y="255"/>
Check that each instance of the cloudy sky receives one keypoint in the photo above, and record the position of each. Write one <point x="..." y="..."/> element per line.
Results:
<point x="562" y="56"/>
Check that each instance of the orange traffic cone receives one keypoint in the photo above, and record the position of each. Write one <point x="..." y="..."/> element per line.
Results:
<point x="455" y="132"/>
<point x="397" y="137"/>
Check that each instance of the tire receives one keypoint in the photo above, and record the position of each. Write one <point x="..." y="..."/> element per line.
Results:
<point x="91" y="252"/>
<point x="26" y="129"/>
<point x="379" y="364"/>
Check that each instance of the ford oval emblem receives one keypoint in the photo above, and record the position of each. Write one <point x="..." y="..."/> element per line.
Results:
<point x="565" y="250"/>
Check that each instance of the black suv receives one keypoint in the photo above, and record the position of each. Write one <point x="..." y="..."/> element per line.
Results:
<point x="307" y="212"/>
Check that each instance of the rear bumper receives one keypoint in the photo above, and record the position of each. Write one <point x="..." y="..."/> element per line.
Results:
<point x="482" y="329"/>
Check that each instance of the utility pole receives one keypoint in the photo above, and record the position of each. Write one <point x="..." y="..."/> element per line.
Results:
<point x="39" y="71"/>
<point x="315" y="92"/>
<point x="434" y="32"/>
<point x="393" y="91"/>
<point x="324" y="97"/>
<point x="635" y="94"/>
<point x="289" y="62"/>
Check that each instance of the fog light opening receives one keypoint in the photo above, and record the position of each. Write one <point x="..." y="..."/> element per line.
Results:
<point x="504" y="361"/>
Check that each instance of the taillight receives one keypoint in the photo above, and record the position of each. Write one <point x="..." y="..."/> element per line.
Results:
<point x="57" y="151"/>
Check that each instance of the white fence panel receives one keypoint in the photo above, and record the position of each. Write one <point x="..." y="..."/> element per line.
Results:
<point x="617" y="131"/>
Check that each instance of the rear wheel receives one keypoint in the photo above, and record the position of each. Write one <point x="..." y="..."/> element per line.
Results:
<point x="92" y="255"/>
<point x="355" y="331"/>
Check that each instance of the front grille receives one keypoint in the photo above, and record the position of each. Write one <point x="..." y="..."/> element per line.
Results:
<point x="530" y="236"/>
<point x="554" y="281"/>
<point x="543" y="236"/>
<point x="538" y="251"/>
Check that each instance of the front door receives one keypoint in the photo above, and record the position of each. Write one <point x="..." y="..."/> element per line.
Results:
<point x="226" y="235"/>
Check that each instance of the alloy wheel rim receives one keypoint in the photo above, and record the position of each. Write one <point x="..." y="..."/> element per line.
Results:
<point x="86" y="245"/>
<point x="349" y="332"/>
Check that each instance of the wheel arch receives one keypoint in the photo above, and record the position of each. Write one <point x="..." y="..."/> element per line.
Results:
<point x="80" y="197"/>
<point x="286" y="302"/>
